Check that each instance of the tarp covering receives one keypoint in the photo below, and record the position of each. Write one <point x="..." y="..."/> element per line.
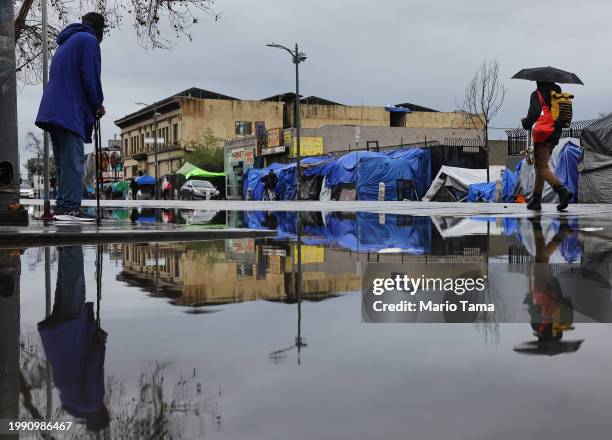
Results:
<point x="145" y="180"/>
<point x="508" y="184"/>
<point x="481" y="192"/>
<point x="458" y="180"/>
<point x="408" y="164"/>
<point x="595" y="168"/>
<point x="564" y="163"/>
<point x="362" y="169"/>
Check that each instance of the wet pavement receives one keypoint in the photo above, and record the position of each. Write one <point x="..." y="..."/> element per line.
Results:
<point x="263" y="337"/>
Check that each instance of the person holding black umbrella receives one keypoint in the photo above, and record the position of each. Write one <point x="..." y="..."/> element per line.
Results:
<point x="546" y="132"/>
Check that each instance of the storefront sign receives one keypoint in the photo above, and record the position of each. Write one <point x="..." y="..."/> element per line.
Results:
<point x="249" y="157"/>
<point x="238" y="154"/>
<point x="274" y="137"/>
<point x="309" y="146"/>
<point x="274" y="150"/>
<point x="287" y="135"/>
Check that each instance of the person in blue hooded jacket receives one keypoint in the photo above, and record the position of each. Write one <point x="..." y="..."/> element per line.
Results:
<point x="70" y="104"/>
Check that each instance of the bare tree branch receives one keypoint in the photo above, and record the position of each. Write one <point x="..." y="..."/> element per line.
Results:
<point x="153" y="20"/>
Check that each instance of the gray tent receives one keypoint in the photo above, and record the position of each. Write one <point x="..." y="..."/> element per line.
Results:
<point x="595" y="167"/>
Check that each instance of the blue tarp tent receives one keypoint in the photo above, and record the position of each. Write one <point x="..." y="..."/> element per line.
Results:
<point x="508" y="182"/>
<point x="481" y="192"/>
<point x="408" y="164"/>
<point x="286" y="186"/>
<point x="369" y="167"/>
<point x="567" y="168"/>
<point x="145" y="180"/>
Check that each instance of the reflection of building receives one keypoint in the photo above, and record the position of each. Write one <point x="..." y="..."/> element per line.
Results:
<point x="217" y="272"/>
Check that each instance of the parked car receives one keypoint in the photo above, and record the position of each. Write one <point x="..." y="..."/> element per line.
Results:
<point x="26" y="191"/>
<point x="198" y="189"/>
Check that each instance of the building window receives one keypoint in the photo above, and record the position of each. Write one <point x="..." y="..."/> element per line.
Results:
<point x="244" y="128"/>
<point x="175" y="135"/>
<point x="125" y="147"/>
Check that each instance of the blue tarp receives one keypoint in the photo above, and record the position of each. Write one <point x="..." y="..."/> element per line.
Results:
<point x="508" y="183"/>
<point x="481" y="192"/>
<point x="567" y="168"/>
<point x="145" y="180"/>
<point x="286" y="186"/>
<point x="369" y="167"/>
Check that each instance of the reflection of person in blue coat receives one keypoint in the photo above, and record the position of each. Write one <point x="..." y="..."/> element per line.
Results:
<point x="75" y="345"/>
<point x="70" y="103"/>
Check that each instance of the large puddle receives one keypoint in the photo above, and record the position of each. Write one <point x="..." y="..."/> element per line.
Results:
<point x="263" y="338"/>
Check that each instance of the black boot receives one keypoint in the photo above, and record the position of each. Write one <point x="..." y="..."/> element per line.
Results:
<point x="536" y="202"/>
<point x="565" y="196"/>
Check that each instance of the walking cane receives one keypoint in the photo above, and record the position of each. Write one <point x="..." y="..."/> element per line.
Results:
<point x="97" y="146"/>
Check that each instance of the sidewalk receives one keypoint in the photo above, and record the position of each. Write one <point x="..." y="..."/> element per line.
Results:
<point x="402" y="208"/>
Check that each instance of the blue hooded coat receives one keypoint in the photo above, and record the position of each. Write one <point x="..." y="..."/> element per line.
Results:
<point x="74" y="91"/>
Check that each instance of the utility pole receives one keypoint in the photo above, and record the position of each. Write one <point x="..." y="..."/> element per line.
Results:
<point x="155" y="115"/>
<point x="298" y="124"/>
<point x="10" y="173"/>
<point x="155" y="148"/>
<point x="45" y="56"/>
<point x="297" y="58"/>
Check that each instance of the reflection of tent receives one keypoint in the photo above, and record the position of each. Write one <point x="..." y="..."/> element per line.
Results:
<point x="359" y="233"/>
<point x="596" y="162"/>
<point x="189" y="170"/>
<point x="145" y="180"/>
<point x="452" y="183"/>
<point x="120" y="186"/>
<point x="564" y="162"/>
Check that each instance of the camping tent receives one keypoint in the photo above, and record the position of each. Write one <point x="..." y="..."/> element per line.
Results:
<point x="455" y="182"/>
<point x="189" y="170"/>
<point x="366" y="169"/>
<point x="564" y="163"/>
<point x="595" y="179"/>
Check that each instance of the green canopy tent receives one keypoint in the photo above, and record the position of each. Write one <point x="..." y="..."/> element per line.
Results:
<point x="189" y="170"/>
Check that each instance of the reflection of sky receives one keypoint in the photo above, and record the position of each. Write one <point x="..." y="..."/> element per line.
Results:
<point x="424" y="381"/>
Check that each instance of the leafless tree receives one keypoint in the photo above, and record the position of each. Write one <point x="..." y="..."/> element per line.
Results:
<point x="153" y="20"/>
<point x="484" y="97"/>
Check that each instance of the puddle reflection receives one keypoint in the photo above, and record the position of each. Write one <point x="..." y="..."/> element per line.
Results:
<point x="117" y="361"/>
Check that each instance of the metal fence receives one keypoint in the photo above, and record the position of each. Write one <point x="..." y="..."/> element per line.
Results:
<point x="517" y="138"/>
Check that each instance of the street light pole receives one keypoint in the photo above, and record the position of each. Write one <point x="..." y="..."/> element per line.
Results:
<point x="298" y="124"/>
<point x="155" y="148"/>
<point x="297" y="57"/>
<point x="45" y="56"/>
<point x="155" y="114"/>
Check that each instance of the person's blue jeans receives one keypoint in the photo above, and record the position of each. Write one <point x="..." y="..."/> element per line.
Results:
<point x="69" y="156"/>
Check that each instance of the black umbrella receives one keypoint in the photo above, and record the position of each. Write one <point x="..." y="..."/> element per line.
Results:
<point x="548" y="74"/>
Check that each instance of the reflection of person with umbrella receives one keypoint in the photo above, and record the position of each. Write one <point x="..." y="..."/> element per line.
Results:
<point x="550" y="311"/>
<point x="547" y="131"/>
<point x="75" y="345"/>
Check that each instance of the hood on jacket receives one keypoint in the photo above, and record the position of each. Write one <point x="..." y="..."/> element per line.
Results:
<point x="72" y="29"/>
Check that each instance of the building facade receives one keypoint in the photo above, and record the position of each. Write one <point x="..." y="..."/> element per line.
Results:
<point x="183" y="119"/>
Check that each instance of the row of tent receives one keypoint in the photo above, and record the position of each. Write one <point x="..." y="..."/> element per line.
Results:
<point x="582" y="165"/>
<point x="354" y="175"/>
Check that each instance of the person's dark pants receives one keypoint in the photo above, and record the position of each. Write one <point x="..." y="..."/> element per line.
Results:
<point x="70" y="288"/>
<point x="543" y="173"/>
<point x="69" y="157"/>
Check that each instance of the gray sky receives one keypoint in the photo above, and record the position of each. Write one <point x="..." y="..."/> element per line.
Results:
<point x="378" y="53"/>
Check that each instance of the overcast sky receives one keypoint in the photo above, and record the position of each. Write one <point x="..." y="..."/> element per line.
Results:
<point x="378" y="53"/>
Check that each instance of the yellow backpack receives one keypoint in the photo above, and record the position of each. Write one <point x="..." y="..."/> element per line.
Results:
<point x="561" y="108"/>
